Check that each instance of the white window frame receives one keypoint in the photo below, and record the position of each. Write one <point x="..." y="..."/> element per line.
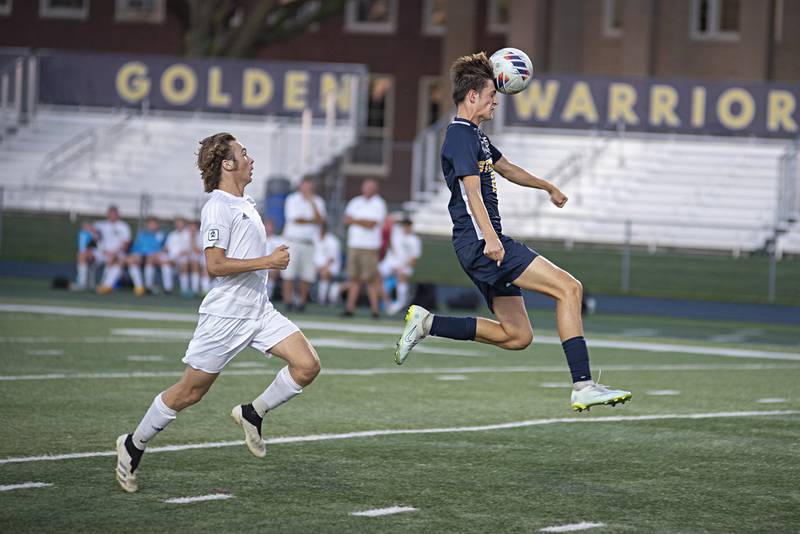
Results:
<point x="428" y="28"/>
<point x="354" y="26"/>
<point x="6" y="9"/>
<point x="425" y="83"/>
<point x="608" y="18"/>
<point x="713" y="33"/>
<point x="492" y="25"/>
<point x="123" y="14"/>
<point x="48" y="12"/>
<point x="370" y="169"/>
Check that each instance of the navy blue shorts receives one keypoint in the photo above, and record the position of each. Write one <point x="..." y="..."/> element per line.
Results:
<point x="491" y="280"/>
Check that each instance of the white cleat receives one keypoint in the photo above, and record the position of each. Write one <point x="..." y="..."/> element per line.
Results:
<point x="252" y="433"/>
<point x="125" y="475"/>
<point x="413" y="333"/>
<point x="598" y="394"/>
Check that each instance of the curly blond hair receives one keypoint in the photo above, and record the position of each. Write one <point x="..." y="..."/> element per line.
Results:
<point x="214" y="149"/>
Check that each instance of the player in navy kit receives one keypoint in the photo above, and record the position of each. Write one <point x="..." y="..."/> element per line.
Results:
<point x="499" y="266"/>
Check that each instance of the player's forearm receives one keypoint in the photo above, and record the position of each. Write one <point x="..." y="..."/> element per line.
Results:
<point x="227" y="266"/>
<point x="520" y="176"/>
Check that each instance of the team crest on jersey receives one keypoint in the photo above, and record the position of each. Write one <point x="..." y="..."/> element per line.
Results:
<point x="213" y="235"/>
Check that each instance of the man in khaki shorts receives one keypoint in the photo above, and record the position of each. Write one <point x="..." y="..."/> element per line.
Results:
<point x="364" y="215"/>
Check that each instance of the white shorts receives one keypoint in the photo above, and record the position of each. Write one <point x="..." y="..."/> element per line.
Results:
<point x="179" y="258"/>
<point x="390" y="265"/>
<point x="301" y="262"/>
<point x="217" y="340"/>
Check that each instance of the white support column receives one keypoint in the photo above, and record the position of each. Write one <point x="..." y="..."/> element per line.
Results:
<point x="18" y="67"/>
<point x="3" y="104"/>
<point x="305" y="143"/>
<point x="33" y="84"/>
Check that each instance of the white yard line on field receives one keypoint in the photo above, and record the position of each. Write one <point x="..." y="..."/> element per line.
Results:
<point x="200" y="498"/>
<point x="25" y="485"/>
<point x="411" y="431"/>
<point x="362" y="328"/>
<point x="772" y="401"/>
<point x="572" y="528"/>
<point x="384" y="511"/>
<point x="375" y="371"/>
<point x="144" y="358"/>
<point x="663" y="392"/>
<point x="44" y="352"/>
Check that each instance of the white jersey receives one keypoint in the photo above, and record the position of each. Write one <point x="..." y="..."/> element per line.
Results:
<point x="113" y="235"/>
<point x="233" y="223"/>
<point x="404" y="247"/>
<point x="298" y="207"/>
<point x="327" y="249"/>
<point x="371" y="209"/>
<point x="179" y="243"/>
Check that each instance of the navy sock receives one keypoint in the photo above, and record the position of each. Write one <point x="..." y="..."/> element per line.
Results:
<point x="577" y="358"/>
<point x="454" y="327"/>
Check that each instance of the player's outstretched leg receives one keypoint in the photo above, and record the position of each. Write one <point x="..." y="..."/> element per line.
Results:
<point x="420" y="323"/>
<point x="303" y="367"/>
<point x="544" y="277"/>
<point x="164" y="409"/>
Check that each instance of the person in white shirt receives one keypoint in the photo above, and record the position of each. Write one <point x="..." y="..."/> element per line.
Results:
<point x="304" y="213"/>
<point x="328" y="261"/>
<point x="273" y="242"/>
<point x="404" y="250"/>
<point x="177" y="253"/>
<point x="364" y="215"/>
<point x="113" y="239"/>
<point x="235" y="314"/>
<point x="200" y="281"/>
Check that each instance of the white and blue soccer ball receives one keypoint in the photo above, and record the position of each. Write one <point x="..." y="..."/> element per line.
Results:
<point x="513" y="70"/>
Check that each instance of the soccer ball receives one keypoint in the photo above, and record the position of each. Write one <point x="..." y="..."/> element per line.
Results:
<point x="512" y="70"/>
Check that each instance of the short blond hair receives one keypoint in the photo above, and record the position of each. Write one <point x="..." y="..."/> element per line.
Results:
<point x="468" y="73"/>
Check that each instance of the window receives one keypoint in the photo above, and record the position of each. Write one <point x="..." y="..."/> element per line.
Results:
<point x="430" y="101"/>
<point x="5" y="7"/>
<point x="499" y="15"/>
<point x="64" y="9"/>
<point x="371" y="16"/>
<point x="612" y="18"/>
<point x="434" y="17"/>
<point x="715" y="20"/>
<point x="150" y="11"/>
<point x="372" y="154"/>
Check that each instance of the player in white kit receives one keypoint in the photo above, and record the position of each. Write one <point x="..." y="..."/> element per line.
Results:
<point x="404" y="250"/>
<point x="328" y="262"/>
<point x="235" y="314"/>
<point x="177" y="253"/>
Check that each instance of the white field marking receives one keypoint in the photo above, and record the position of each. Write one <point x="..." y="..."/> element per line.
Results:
<point x="137" y="358"/>
<point x="319" y="342"/>
<point x="374" y="329"/>
<point x="451" y="378"/>
<point x="640" y="332"/>
<point x="384" y="511"/>
<point x="374" y="371"/>
<point x="249" y="365"/>
<point x="572" y="528"/>
<point x="187" y="500"/>
<point x="772" y="401"/>
<point x="558" y="385"/>
<point x="663" y="392"/>
<point x="26" y="485"/>
<point x="45" y="352"/>
<point x="395" y="432"/>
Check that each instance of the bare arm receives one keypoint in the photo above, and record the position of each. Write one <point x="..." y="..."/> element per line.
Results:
<point x="494" y="249"/>
<point x="366" y="223"/>
<point x="218" y="264"/>
<point x="520" y="176"/>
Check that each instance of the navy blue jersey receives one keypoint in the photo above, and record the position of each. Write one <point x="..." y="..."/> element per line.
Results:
<point x="466" y="152"/>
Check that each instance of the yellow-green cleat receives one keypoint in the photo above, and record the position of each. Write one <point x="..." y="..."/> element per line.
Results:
<point x="415" y="331"/>
<point x="597" y="395"/>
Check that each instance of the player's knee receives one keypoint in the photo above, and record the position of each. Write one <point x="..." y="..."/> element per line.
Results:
<point x="573" y="289"/>
<point x="521" y="341"/>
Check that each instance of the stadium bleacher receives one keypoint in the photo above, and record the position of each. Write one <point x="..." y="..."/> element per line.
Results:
<point x="683" y="192"/>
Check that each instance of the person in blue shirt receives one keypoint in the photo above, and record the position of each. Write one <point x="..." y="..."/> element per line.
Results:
<point x="145" y="250"/>
<point x="499" y="266"/>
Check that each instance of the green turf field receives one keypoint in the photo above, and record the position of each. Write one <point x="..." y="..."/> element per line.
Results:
<point x="488" y="443"/>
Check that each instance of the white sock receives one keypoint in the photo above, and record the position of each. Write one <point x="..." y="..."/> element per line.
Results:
<point x="83" y="274"/>
<point x="166" y="277"/>
<point x="111" y="276"/>
<point x="281" y="390"/>
<point x="333" y="296"/>
<point x="183" y="279"/>
<point x="196" y="282"/>
<point x="136" y="275"/>
<point x="158" y="416"/>
<point x="402" y="293"/>
<point x="149" y="276"/>
<point x="322" y="291"/>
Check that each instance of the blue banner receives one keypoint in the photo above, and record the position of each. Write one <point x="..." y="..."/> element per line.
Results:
<point x="658" y="105"/>
<point x="174" y="83"/>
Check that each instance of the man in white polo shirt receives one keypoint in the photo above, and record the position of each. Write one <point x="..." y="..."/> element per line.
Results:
<point x="364" y="215"/>
<point x="304" y="212"/>
<point x="235" y="314"/>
